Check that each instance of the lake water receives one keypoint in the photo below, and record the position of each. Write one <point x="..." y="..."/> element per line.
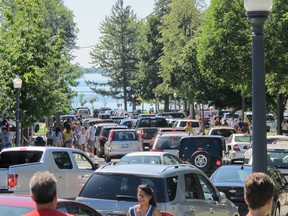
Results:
<point x="101" y="101"/>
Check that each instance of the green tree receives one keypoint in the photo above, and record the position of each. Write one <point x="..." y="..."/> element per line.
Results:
<point x="116" y="51"/>
<point x="36" y="37"/>
<point x="224" y="52"/>
<point x="277" y="56"/>
<point x="179" y="67"/>
<point x="149" y="51"/>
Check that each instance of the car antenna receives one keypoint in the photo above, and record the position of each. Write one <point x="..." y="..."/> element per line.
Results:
<point x="242" y="167"/>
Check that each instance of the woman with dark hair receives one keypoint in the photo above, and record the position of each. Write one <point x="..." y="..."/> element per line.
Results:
<point x="147" y="203"/>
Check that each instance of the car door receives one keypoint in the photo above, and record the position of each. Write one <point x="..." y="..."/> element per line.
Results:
<point x="71" y="174"/>
<point x="209" y="195"/>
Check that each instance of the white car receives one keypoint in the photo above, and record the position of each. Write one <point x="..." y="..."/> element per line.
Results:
<point x="121" y="142"/>
<point x="195" y="124"/>
<point x="224" y="131"/>
<point x="237" y="145"/>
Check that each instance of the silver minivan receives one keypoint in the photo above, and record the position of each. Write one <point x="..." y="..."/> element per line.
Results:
<point x="180" y="189"/>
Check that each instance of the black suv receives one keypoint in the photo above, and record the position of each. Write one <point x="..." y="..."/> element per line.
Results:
<point x="204" y="152"/>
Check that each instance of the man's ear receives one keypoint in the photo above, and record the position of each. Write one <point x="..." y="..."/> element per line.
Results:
<point x="246" y="201"/>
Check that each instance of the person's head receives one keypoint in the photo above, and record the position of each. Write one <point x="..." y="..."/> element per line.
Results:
<point x="258" y="190"/>
<point x="4" y="129"/>
<point x="188" y="123"/>
<point x="43" y="188"/>
<point x="145" y="194"/>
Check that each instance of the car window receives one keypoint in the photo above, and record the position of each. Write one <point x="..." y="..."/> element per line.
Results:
<point x="14" y="210"/>
<point x="207" y="188"/>
<point x="62" y="160"/>
<point x="192" y="187"/>
<point x="170" y="159"/>
<point x="82" y="161"/>
<point x="168" y="142"/>
<point x="242" y="139"/>
<point x="223" y="132"/>
<point x="119" y="187"/>
<point x="277" y="159"/>
<point x="11" y="158"/>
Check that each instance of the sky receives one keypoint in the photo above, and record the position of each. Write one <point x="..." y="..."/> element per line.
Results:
<point x="88" y="14"/>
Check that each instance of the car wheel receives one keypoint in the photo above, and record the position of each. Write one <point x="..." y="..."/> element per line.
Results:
<point x="201" y="160"/>
<point x="107" y="159"/>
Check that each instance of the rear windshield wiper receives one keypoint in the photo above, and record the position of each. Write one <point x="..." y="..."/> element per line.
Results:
<point x="126" y="197"/>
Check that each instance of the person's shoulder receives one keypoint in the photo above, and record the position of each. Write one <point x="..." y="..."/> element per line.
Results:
<point x="156" y="212"/>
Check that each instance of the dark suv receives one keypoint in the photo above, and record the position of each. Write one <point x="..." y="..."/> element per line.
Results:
<point x="205" y="152"/>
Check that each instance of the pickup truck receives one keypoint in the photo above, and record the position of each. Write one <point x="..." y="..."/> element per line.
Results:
<point x="71" y="167"/>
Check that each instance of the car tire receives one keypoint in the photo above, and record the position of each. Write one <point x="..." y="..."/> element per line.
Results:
<point x="201" y="160"/>
<point x="107" y="159"/>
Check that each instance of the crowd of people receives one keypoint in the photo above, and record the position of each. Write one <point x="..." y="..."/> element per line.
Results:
<point x="72" y="134"/>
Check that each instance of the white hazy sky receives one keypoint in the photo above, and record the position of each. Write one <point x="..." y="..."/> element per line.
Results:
<point x="88" y="16"/>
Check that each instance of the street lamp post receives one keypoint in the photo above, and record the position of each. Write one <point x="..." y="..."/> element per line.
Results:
<point x="175" y="96"/>
<point x="156" y="104"/>
<point x="257" y="13"/>
<point x="133" y="102"/>
<point x="17" y="82"/>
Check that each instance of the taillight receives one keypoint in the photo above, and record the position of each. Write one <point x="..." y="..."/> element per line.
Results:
<point x="236" y="147"/>
<point x="166" y="214"/>
<point x="111" y="135"/>
<point x="156" y="150"/>
<point x="12" y="180"/>
<point x="218" y="163"/>
<point x="142" y="133"/>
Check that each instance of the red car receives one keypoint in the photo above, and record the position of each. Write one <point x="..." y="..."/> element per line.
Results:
<point x="18" y="205"/>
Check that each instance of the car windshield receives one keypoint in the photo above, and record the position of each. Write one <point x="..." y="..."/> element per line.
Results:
<point x="14" y="210"/>
<point x="157" y="122"/>
<point x="124" y="187"/>
<point x="232" y="116"/>
<point x="211" y="145"/>
<point x="278" y="159"/>
<point x="243" y="139"/>
<point x="231" y="175"/>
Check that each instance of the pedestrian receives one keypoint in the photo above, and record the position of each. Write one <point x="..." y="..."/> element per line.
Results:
<point x="225" y="123"/>
<point x="68" y="136"/>
<point x="188" y="128"/>
<point x="258" y="194"/>
<point x="232" y="122"/>
<point x="239" y="126"/>
<point x="50" y="136"/>
<point x="217" y="121"/>
<point x="91" y="138"/>
<point x="147" y="204"/>
<point x="285" y="127"/>
<point x="43" y="191"/>
<point x="58" y="138"/>
<point x="82" y="139"/>
<point x="6" y="137"/>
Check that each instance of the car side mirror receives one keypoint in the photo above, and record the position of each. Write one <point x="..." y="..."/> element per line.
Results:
<point x="245" y="147"/>
<point x="222" y="197"/>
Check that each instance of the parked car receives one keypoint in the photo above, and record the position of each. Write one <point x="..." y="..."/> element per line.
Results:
<point x="65" y="117"/>
<point x="168" y="142"/>
<point x="195" y="124"/>
<point x="277" y="156"/>
<point x="121" y="142"/>
<point x="179" y="189"/>
<point x="236" y="145"/>
<point x="103" y="137"/>
<point x="83" y="113"/>
<point x="224" y="131"/>
<point x="271" y="139"/>
<point x="20" y="205"/>
<point x="165" y="158"/>
<point x="229" y="116"/>
<point x="18" y="164"/>
<point x="146" y="134"/>
<point x="151" y="122"/>
<point x="127" y="122"/>
<point x="230" y="179"/>
<point x="204" y="152"/>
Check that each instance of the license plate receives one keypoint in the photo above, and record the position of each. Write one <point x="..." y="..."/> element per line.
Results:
<point x="124" y="145"/>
